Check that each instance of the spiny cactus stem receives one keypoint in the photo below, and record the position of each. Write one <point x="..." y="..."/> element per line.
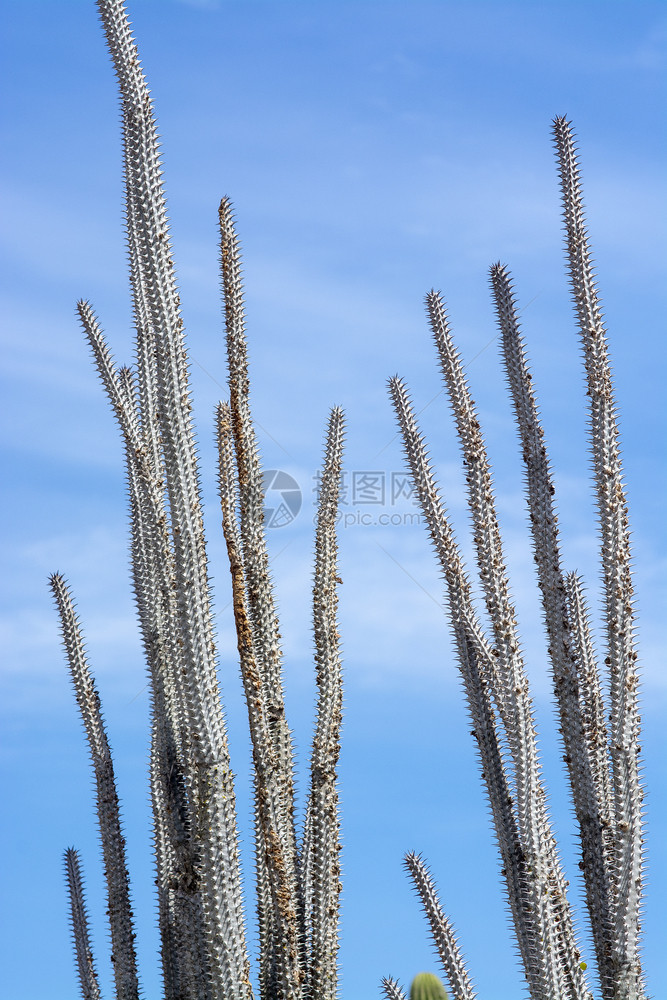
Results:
<point x="90" y="989"/>
<point x="270" y="790"/>
<point x="392" y="990"/>
<point x="113" y="843"/>
<point x="626" y="886"/>
<point x="258" y="582"/>
<point x="536" y="885"/>
<point x="319" y="862"/>
<point x="512" y="690"/>
<point x="441" y="931"/>
<point x="588" y="796"/>
<point x="186" y="970"/>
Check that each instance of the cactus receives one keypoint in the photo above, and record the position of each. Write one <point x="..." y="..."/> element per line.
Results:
<point x="426" y="986"/>
<point x="602" y="759"/>
<point x="201" y="909"/>
<point x="200" y="902"/>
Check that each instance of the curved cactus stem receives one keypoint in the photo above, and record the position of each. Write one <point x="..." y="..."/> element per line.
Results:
<point x="530" y="864"/>
<point x="90" y="989"/>
<point x="514" y="700"/>
<point x="259" y="586"/>
<point x="626" y="977"/>
<point x="184" y="962"/>
<point x="196" y="839"/>
<point x="164" y="448"/>
<point x="271" y="793"/>
<point x="320" y="864"/>
<point x="592" y="708"/>
<point x="442" y="931"/>
<point x="185" y="965"/>
<point x="253" y="686"/>
<point x="591" y="800"/>
<point x="108" y="812"/>
<point x="512" y="688"/>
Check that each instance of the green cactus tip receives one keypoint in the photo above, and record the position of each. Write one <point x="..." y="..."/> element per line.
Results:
<point x="426" y="986"/>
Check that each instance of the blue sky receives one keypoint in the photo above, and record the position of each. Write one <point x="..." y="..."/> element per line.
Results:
<point x="372" y="150"/>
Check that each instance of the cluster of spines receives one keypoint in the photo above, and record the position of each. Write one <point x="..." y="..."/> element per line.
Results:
<point x="602" y="761"/>
<point x="200" y="907"/>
